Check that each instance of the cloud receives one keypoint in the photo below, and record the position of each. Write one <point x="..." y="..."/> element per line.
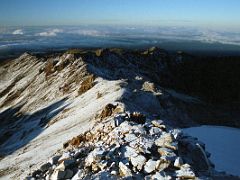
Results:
<point x="18" y="32"/>
<point x="50" y="33"/>
<point x="87" y="32"/>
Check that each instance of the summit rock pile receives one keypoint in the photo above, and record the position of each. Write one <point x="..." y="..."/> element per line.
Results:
<point x="123" y="146"/>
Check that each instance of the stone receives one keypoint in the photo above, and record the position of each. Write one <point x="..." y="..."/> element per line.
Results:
<point x="86" y="84"/>
<point x="130" y="137"/>
<point x="114" y="173"/>
<point x="124" y="171"/>
<point x="164" y="151"/>
<point x="94" y="156"/>
<point x="157" y="123"/>
<point x="138" y="161"/>
<point x="124" y="127"/>
<point x="79" y="175"/>
<point x="150" y="166"/>
<point x="54" y="159"/>
<point x="69" y="174"/>
<point x="146" y="145"/>
<point x="137" y="118"/>
<point x="45" y="166"/>
<point x="107" y="111"/>
<point x="36" y="173"/>
<point x="162" y="164"/>
<point x="58" y="174"/>
<point x="65" y="164"/>
<point x="155" y="131"/>
<point x="78" y="154"/>
<point x="47" y="177"/>
<point x="128" y="152"/>
<point x="185" y="172"/>
<point x="102" y="165"/>
<point x="164" y="139"/>
<point x="65" y="155"/>
<point x="138" y="129"/>
<point x="177" y="133"/>
<point x="160" y="176"/>
<point x="118" y="120"/>
<point x="148" y="87"/>
<point x="173" y="146"/>
<point x="178" y="162"/>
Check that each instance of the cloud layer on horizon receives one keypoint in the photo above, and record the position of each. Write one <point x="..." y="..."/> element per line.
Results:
<point x="18" y="32"/>
<point x="119" y="35"/>
<point x="50" y="33"/>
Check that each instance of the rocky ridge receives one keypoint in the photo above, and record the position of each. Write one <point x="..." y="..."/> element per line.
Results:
<point x="111" y="101"/>
<point x="127" y="145"/>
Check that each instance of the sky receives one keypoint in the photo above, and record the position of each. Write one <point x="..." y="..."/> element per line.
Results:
<point x="203" y="13"/>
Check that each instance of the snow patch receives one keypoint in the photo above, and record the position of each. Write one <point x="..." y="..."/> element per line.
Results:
<point x="222" y="143"/>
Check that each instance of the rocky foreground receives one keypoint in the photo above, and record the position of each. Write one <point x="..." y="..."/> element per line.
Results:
<point x="99" y="114"/>
<point x="129" y="146"/>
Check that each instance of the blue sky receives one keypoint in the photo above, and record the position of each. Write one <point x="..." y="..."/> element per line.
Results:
<point x="204" y="13"/>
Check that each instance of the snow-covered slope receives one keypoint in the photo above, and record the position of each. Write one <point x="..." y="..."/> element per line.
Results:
<point x="47" y="100"/>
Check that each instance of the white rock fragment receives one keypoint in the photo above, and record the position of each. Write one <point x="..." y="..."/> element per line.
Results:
<point x="130" y="138"/>
<point x="178" y="162"/>
<point x="161" y="176"/>
<point x="150" y="166"/>
<point x="138" y="161"/>
<point x="129" y="152"/>
<point x="185" y="172"/>
<point x="124" y="171"/>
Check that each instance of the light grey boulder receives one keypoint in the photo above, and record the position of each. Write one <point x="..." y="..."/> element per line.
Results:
<point x="128" y="152"/>
<point x="130" y="137"/>
<point x="185" y="172"/>
<point x="160" y="176"/>
<point x="138" y="161"/>
<point x="150" y="166"/>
